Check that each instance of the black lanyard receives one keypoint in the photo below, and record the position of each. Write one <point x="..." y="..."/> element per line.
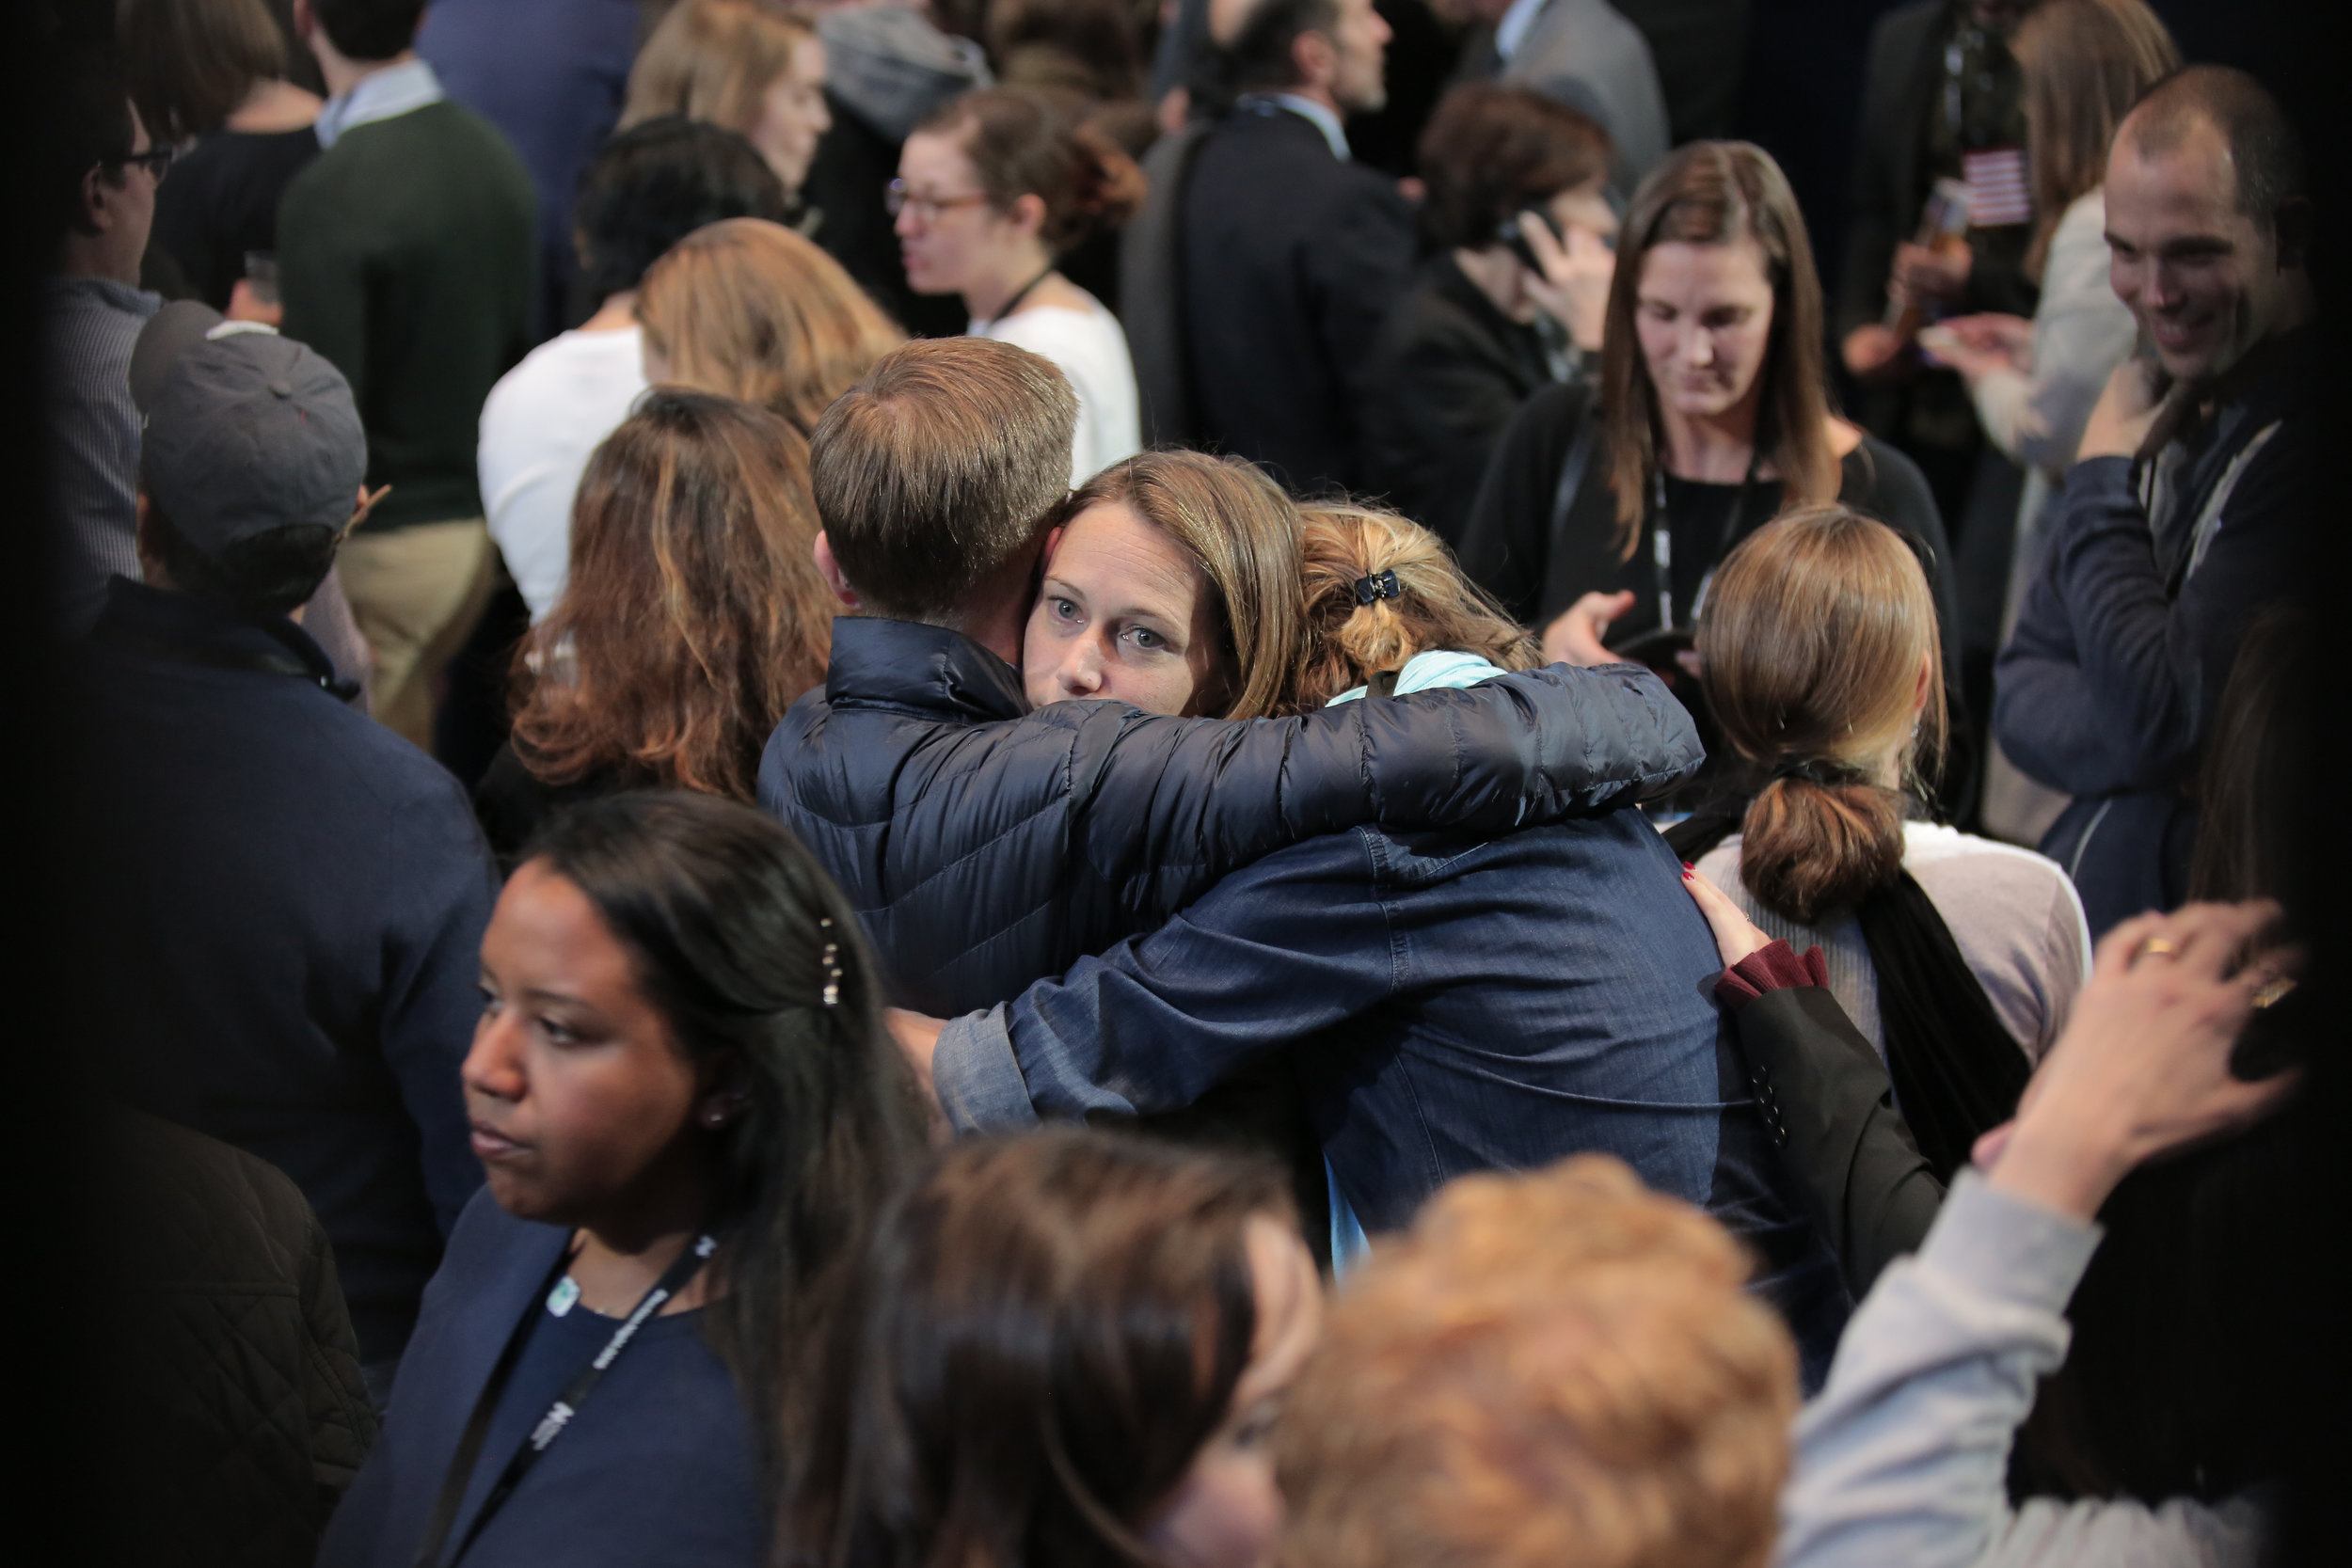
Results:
<point x="1023" y="293"/>
<point x="560" y="1414"/>
<point x="1662" y="543"/>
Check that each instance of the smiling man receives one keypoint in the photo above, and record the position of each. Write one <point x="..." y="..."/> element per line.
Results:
<point x="2184" y="508"/>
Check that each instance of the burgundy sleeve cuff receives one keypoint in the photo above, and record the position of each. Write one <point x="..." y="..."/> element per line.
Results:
<point x="1774" y="966"/>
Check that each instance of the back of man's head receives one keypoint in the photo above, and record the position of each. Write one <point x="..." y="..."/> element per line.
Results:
<point x="1257" y="38"/>
<point x="83" y="122"/>
<point x="1613" y="1396"/>
<point x="363" y="30"/>
<point x="940" y="470"/>
<point x="657" y="181"/>
<point x="2264" y="150"/>
<point x="249" y="462"/>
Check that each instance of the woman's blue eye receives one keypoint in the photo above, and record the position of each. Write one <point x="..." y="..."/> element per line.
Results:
<point x="1063" y="609"/>
<point x="1150" y="641"/>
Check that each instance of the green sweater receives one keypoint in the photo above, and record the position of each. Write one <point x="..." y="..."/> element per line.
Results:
<point x="407" y="256"/>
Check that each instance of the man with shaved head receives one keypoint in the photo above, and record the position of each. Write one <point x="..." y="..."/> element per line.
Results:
<point x="2185" y="506"/>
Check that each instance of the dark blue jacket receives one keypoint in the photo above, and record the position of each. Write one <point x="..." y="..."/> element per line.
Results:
<point x="1450" y="1003"/>
<point x="985" y="845"/>
<point x="297" y="898"/>
<point x="656" y="1469"/>
<point x="2109" y="684"/>
<point x="1288" y="260"/>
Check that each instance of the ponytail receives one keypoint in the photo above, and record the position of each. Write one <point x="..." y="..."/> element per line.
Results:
<point x="1819" y="837"/>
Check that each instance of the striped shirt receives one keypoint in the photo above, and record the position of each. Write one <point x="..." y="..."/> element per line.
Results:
<point x="87" y="328"/>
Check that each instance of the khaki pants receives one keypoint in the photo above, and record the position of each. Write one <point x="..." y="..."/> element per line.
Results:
<point x="416" y="593"/>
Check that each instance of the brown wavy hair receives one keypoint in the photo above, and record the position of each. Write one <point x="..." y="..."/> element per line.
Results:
<point x="748" y="308"/>
<point x="1810" y="650"/>
<point x="1048" y="1328"/>
<point x="2086" y="63"/>
<point x="714" y="60"/>
<point x="1244" y="534"/>
<point x="1021" y="144"/>
<point x="1608" y="1399"/>
<point x="693" y="615"/>
<point x="1436" y="606"/>
<point x="1718" y="193"/>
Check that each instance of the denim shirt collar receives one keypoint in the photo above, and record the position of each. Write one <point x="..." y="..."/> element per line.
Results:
<point x="922" y="670"/>
<point x="379" y="95"/>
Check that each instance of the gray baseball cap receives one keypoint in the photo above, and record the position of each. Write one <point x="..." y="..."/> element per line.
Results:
<point x="244" y="431"/>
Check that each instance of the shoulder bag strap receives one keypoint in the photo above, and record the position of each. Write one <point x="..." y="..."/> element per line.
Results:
<point x="1557" y="553"/>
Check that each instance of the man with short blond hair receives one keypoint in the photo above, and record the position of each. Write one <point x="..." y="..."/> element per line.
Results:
<point x="1546" y="1371"/>
<point x="947" y="440"/>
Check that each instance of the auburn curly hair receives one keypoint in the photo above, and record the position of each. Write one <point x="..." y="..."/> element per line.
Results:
<point x="1556" y="1371"/>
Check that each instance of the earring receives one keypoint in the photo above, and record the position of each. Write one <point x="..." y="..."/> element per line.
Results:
<point x="716" y="1116"/>
<point x="833" y="969"/>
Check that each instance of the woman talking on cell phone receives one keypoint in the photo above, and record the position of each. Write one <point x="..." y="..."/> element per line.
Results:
<point x="1607" y="508"/>
<point x="690" y="1117"/>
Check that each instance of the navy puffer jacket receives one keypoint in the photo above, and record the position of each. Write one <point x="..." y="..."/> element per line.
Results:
<point x="986" y="846"/>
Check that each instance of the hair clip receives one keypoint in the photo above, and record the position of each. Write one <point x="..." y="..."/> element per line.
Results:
<point x="831" y="964"/>
<point x="1380" y="585"/>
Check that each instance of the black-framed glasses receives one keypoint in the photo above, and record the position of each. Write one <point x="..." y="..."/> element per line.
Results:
<point x="155" y="160"/>
<point x="897" y="198"/>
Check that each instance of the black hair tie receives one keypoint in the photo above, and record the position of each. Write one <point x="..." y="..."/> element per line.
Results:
<point x="1819" y="770"/>
<point x="1380" y="585"/>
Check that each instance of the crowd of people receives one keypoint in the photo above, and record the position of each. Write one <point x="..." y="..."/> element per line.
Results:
<point x="1191" y="852"/>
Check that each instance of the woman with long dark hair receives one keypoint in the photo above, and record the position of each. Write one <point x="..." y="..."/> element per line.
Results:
<point x="692" y="618"/>
<point x="690" y="1117"/>
<point x="1068" y="1349"/>
<point x="1955" y="956"/>
<point x="1606" y="510"/>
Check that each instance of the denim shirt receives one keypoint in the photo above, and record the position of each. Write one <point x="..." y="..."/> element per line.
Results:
<point x="1453" y="1003"/>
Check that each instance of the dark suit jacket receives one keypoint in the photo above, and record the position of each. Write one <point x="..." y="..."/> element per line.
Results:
<point x="657" y="1468"/>
<point x="1449" y="370"/>
<point x="1291" y="259"/>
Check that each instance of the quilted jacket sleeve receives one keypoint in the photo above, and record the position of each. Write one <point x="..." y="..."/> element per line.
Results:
<point x="1165" y="808"/>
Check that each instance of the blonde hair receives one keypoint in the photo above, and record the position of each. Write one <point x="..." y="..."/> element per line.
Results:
<point x="1244" y="534"/>
<point x="2086" y="63"/>
<point x="714" y="60"/>
<point x="1435" y="605"/>
<point x="1810" y="648"/>
<point x="749" y="309"/>
<point x="1554" y="1371"/>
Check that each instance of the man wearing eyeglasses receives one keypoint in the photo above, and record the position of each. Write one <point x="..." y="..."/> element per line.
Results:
<point x="98" y="173"/>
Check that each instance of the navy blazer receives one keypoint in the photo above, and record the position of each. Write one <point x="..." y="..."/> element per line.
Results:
<point x="657" y="1468"/>
<point x="1291" y="260"/>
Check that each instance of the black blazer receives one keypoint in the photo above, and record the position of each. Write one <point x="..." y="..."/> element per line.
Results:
<point x="1449" y="370"/>
<point x="1291" y="259"/>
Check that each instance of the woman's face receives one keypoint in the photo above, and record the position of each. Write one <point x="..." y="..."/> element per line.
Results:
<point x="1227" y="1511"/>
<point x="1126" y="613"/>
<point x="792" y="116"/>
<point x="950" y="236"/>
<point x="1704" y="313"/>
<point x="582" y="1102"/>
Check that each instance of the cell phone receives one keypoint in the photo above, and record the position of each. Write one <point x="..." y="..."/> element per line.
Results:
<point x="1656" y="647"/>
<point x="1512" y="234"/>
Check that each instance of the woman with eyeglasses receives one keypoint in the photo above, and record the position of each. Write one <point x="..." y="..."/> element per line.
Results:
<point x="993" y="189"/>
<point x="1608" y="506"/>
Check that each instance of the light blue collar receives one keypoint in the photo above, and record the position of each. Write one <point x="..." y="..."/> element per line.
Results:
<point x="1315" y="114"/>
<point x="1512" y="30"/>
<point x="1437" y="668"/>
<point x="396" y="89"/>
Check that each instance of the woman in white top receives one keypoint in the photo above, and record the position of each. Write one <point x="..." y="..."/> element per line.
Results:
<point x="1956" y="956"/>
<point x="2086" y="63"/>
<point x="992" y="189"/>
<point x="648" y="188"/>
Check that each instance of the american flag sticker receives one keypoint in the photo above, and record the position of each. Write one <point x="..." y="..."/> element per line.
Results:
<point x="1998" y="193"/>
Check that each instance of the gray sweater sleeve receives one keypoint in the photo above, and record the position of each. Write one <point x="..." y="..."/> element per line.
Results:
<point x="1903" y="1456"/>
